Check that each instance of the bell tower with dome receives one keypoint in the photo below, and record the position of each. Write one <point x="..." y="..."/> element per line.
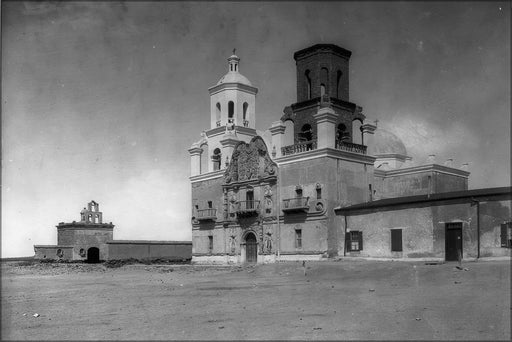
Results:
<point x="233" y="98"/>
<point x="232" y="119"/>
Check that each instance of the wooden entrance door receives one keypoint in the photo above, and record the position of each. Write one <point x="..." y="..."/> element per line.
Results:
<point x="453" y="241"/>
<point x="251" y="248"/>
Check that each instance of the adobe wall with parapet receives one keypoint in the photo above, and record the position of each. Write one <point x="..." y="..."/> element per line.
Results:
<point x="147" y="250"/>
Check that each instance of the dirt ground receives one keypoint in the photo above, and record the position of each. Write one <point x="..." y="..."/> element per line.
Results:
<point x="335" y="300"/>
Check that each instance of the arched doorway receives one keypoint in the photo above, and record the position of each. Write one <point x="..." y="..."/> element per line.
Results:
<point x="93" y="255"/>
<point x="251" y="248"/>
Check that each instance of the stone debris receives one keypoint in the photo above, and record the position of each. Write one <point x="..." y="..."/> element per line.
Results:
<point x="457" y="282"/>
<point x="36" y="315"/>
<point x="418" y="319"/>
<point x="371" y="290"/>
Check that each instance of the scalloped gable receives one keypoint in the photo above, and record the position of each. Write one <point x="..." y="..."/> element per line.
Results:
<point x="250" y="162"/>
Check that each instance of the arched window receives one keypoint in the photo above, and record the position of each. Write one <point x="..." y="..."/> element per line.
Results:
<point x="204" y="159"/>
<point x="217" y="114"/>
<point x="357" y="133"/>
<point x="245" y="106"/>
<point x="324" y="81"/>
<point x="216" y="158"/>
<point x="341" y="133"/>
<point x="308" y="84"/>
<point x="306" y="135"/>
<point x="231" y="111"/>
<point x="338" y="84"/>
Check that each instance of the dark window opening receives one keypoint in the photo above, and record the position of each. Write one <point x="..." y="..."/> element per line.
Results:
<point x="318" y="193"/>
<point x="506" y="235"/>
<point x="396" y="240"/>
<point x="231" y="109"/>
<point x="249" y="197"/>
<point x="210" y="204"/>
<point x="354" y="241"/>
<point x="245" y="107"/>
<point x="210" y="244"/>
<point x="298" y="238"/>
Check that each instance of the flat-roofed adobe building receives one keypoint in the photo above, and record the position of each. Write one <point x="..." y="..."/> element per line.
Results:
<point x="324" y="181"/>
<point x="92" y="240"/>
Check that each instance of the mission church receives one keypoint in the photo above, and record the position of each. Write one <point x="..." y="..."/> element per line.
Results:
<point x="324" y="181"/>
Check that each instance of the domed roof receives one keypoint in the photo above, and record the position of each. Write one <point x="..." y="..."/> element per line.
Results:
<point x="386" y="142"/>
<point x="234" y="77"/>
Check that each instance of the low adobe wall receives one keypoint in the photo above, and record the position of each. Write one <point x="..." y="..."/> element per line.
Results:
<point x="174" y="250"/>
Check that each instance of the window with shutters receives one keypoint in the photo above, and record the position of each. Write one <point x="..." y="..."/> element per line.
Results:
<point x="298" y="238"/>
<point x="210" y="244"/>
<point x="396" y="240"/>
<point x="506" y="235"/>
<point x="354" y="241"/>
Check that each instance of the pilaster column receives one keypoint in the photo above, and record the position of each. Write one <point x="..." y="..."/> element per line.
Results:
<point x="195" y="160"/>
<point x="368" y="130"/>
<point x="326" y="127"/>
<point x="277" y="130"/>
<point x="228" y="142"/>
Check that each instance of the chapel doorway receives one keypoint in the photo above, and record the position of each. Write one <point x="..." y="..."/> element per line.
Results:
<point x="93" y="255"/>
<point x="251" y="248"/>
<point x="453" y="241"/>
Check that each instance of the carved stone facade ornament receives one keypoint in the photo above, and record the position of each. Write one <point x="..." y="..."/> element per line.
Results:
<point x="268" y="199"/>
<point x="249" y="162"/>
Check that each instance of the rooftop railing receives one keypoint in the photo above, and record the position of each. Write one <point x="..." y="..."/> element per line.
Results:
<point x="350" y="147"/>
<point x="298" y="148"/>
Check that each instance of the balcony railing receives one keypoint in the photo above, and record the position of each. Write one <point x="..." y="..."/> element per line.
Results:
<point x="248" y="208"/>
<point x="300" y="147"/>
<point x="295" y="204"/>
<point x="350" y="147"/>
<point x="206" y="214"/>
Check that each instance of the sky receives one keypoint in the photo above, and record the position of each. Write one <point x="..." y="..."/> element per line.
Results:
<point x="101" y="100"/>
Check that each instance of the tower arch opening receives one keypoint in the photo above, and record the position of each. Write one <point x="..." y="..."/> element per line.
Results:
<point x="308" y="84"/>
<point x="216" y="159"/>
<point x="218" y="112"/>
<point x="244" y="114"/>
<point x="357" y="133"/>
<point x="231" y="111"/>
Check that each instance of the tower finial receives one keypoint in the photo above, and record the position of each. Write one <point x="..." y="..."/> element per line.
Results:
<point x="234" y="51"/>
